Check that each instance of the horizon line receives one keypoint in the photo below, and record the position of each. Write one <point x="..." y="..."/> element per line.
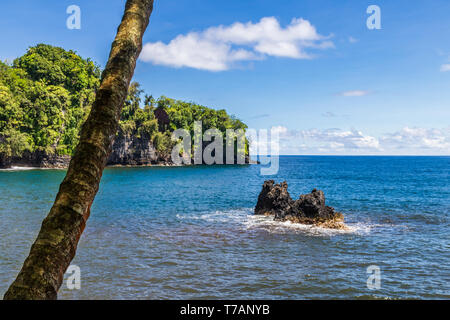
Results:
<point x="353" y="155"/>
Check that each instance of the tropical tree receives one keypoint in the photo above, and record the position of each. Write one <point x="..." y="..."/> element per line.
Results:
<point x="50" y="255"/>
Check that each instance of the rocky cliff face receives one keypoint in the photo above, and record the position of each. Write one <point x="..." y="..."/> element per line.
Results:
<point x="37" y="159"/>
<point x="127" y="150"/>
<point x="133" y="151"/>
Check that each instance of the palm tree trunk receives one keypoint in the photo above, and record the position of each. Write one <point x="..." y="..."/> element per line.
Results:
<point x="43" y="270"/>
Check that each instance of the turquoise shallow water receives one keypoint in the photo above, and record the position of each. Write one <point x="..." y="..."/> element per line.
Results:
<point x="170" y="233"/>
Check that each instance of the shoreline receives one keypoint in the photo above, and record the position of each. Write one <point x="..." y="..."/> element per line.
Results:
<point x="26" y="168"/>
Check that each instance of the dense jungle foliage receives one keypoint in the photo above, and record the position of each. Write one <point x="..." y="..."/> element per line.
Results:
<point x="46" y="95"/>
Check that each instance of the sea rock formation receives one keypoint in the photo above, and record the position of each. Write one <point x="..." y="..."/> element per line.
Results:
<point x="275" y="200"/>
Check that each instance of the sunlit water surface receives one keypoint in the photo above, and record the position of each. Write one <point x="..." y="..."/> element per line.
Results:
<point x="189" y="233"/>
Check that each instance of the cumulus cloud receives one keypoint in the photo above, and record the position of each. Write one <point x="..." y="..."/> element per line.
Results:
<point x="354" y="93"/>
<point x="219" y="48"/>
<point x="352" y="40"/>
<point x="340" y="139"/>
<point x="407" y="141"/>
<point x="419" y="139"/>
<point x="333" y="141"/>
<point x="445" y="68"/>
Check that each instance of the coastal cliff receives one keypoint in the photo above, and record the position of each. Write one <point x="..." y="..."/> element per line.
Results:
<point x="127" y="151"/>
<point x="46" y="96"/>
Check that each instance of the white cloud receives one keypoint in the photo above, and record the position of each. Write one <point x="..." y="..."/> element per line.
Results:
<point x="339" y="139"/>
<point x="218" y="48"/>
<point x="352" y="40"/>
<point x="279" y="130"/>
<point x="331" y="141"/>
<point x="419" y="139"/>
<point x="407" y="141"/>
<point x="354" y="93"/>
<point x="445" y="67"/>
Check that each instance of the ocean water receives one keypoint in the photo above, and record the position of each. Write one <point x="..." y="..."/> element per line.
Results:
<point x="189" y="232"/>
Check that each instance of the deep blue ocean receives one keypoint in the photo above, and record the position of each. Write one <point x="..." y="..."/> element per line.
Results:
<point x="190" y="233"/>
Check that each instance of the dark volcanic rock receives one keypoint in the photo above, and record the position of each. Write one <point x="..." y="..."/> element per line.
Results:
<point x="131" y="150"/>
<point x="310" y="208"/>
<point x="313" y="205"/>
<point x="38" y="159"/>
<point x="273" y="199"/>
<point x="128" y="150"/>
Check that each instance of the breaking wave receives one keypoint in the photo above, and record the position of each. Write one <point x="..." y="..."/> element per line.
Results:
<point x="246" y="220"/>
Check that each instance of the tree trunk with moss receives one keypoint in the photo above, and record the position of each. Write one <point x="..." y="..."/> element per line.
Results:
<point x="43" y="270"/>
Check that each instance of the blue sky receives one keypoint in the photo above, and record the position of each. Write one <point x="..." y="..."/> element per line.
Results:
<point x="311" y="69"/>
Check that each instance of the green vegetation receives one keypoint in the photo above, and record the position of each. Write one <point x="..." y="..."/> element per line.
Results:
<point x="46" y="95"/>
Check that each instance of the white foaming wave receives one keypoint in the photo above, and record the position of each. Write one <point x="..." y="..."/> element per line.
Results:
<point x="267" y="223"/>
<point x="19" y="168"/>
<point x="236" y="215"/>
<point x="15" y="168"/>
<point x="251" y="222"/>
